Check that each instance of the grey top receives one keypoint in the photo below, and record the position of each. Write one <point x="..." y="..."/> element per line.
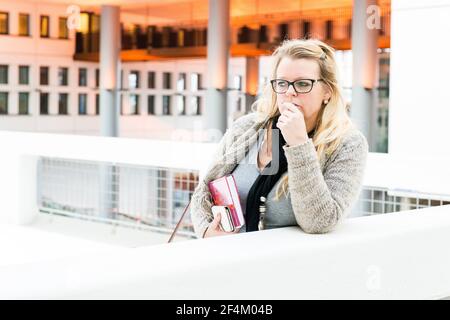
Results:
<point x="278" y="213"/>
<point x="321" y="190"/>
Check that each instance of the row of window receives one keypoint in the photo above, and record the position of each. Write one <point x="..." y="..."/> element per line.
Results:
<point x="24" y="75"/>
<point x="134" y="78"/>
<point x="134" y="108"/>
<point x="44" y="25"/>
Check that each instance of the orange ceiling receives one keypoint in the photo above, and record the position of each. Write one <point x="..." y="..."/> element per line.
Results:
<point x="177" y="11"/>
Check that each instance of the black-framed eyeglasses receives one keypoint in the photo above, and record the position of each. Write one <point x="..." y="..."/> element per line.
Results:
<point x="300" y="86"/>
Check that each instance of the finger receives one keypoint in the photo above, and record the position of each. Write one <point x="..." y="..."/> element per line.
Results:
<point x="216" y="221"/>
<point x="283" y="118"/>
<point x="285" y="106"/>
<point x="280" y="125"/>
<point x="288" y="113"/>
<point x="290" y="107"/>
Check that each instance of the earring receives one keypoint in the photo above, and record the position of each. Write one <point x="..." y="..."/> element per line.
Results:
<point x="325" y="102"/>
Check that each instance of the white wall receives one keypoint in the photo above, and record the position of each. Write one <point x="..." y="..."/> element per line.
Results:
<point x="419" y="103"/>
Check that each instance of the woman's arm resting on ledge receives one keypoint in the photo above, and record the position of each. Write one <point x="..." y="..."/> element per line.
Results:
<point x="320" y="201"/>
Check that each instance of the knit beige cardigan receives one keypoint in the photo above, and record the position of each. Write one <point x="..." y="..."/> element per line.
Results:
<point x="322" y="190"/>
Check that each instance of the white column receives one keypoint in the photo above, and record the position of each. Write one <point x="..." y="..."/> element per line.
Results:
<point x="109" y="70"/>
<point x="218" y="47"/>
<point x="364" y="50"/>
<point x="109" y="102"/>
<point x="251" y="81"/>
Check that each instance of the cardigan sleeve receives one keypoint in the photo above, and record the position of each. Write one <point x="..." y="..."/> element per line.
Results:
<point x="201" y="201"/>
<point x="320" y="200"/>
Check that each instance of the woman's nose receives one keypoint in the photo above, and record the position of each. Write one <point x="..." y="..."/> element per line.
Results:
<point x="291" y="91"/>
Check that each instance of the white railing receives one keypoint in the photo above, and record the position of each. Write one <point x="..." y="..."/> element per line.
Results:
<point x="18" y="185"/>
<point x="400" y="175"/>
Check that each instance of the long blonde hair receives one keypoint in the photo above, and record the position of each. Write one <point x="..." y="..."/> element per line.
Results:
<point x="333" y="120"/>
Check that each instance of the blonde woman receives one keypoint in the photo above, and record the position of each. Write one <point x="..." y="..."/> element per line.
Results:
<point x="309" y="174"/>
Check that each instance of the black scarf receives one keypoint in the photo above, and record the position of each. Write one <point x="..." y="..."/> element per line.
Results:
<point x="267" y="179"/>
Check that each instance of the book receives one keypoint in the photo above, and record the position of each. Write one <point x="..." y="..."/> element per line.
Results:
<point x="224" y="193"/>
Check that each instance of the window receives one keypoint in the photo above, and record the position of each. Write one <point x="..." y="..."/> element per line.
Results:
<point x="151" y="104"/>
<point x="97" y="104"/>
<point x="4" y="74"/>
<point x="382" y="31"/>
<point x="237" y="82"/>
<point x="349" y="28"/>
<point x="82" y="77"/>
<point x="63" y="76"/>
<point x="151" y="80"/>
<point x="43" y="76"/>
<point x="3" y="102"/>
<point x="43" y="103"/>
<point x="133" y="80"/>
<point x="63" y="31"/>
<point x="45" y="27"/>
<point x="181" y="105"/>
<point x="82" y="103"/>
<point x="24" y="24"/>
<point x="121" y="104"/>
<point x="306" y="29"/>
<point x="195" y="106"/>
<point x="24" y="72"/>
<point x="284" y="31"/>
<point x="23" y="102"/>
<point x="329" y="29"/>
<point x="134" y="104"/>
<point x="63" y="102"/>
<point x="195" y="81"/>
<point x="166" y="105"/>
<point x="97" y="78"/>
<point x="181" y="82"/>
<point x="167" y="80"/>
<point x="239" y="104"/>
<point x="4" y="22"/>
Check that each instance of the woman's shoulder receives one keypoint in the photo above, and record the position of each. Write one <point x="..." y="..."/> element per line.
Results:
<point x="352" y="142"/>
<point x="354" y="138"/>
<point x="245" y="121"/>
<point x="353" y="145"/>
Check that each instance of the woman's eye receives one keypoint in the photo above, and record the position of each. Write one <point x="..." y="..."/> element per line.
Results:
<point x="281" y="84"/>
<point x="302" y="83"/>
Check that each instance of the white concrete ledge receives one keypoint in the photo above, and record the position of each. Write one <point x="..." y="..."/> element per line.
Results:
<point x="400" y="255"/>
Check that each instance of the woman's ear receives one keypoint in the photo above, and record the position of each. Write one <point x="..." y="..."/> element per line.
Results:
<point x="327" y="97"/>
